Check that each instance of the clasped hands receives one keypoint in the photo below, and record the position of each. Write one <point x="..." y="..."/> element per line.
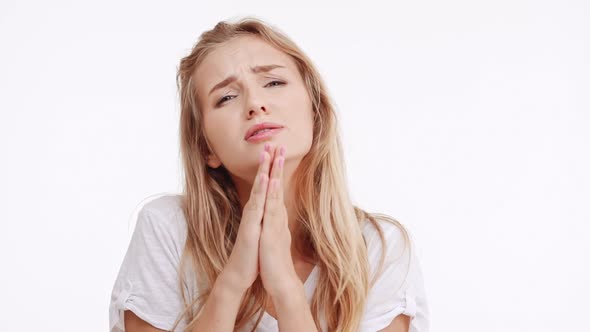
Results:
<point x="263" y="244"/>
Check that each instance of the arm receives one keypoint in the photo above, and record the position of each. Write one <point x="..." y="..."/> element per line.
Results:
<point x="136" y="324"/>
<point x="277" y="271"/>
<point x="294" y="315"/>
<point x="293" y="311"/>
<point x="218" y="314"/>
<point x="401" y="323"/>
<point x="220" y="310"/>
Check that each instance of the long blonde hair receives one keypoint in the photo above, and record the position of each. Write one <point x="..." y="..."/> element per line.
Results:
<point x="330" y="225"/>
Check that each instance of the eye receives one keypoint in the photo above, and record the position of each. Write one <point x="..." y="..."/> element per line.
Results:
<point x="280" y="83"/>
<point x="223" y="99"/>
<point x="226" y="98"/>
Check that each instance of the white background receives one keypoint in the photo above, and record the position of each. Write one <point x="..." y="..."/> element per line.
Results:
<point x="468" y="121"/>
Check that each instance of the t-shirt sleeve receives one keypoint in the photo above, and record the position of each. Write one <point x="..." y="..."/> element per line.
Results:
<point x="400" y="287"/>
<point x="147" y="283"/>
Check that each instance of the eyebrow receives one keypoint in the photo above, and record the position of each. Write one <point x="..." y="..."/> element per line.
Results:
<point x="255" y="70"/>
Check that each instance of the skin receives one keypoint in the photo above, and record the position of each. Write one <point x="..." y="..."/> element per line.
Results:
<point x="252" y="99"/>
<point x="279" y="96"/>
<point x="133" y="323"/>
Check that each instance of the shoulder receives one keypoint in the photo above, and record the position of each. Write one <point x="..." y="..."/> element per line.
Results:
<point x="393" y="258"/>
<point x="163" y="212"/>
<point x="386" y="235"/>
<point x="391" y="228"/>
<point x="160" y="222"/>
<point x="163" y="205"/>
<point x="147" y="282"/>
<point x="397" y="285"/>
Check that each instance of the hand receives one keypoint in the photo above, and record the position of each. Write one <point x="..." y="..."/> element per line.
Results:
<point x="276" y="264"/>
<point x="242" y="267"/>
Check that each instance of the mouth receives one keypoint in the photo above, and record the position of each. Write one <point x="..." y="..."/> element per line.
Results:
<point x="261" y="128"/>
<point x="263" y="134"/>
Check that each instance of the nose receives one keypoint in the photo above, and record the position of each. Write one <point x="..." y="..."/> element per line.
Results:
<point x="254" y="102"/>
<point x="256" y="109"/>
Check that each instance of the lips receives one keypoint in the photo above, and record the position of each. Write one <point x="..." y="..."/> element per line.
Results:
<point x="264" y="125"/>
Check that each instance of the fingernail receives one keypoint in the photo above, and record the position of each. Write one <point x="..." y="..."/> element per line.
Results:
<point x="281" y="162"/>
<point x="282" y="150"/>
<point x="266" y="146"/>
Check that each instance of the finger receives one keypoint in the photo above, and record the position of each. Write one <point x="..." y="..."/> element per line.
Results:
<point x="272" y="150"/>
<point x="274" y="172"/>
<point x="283" y="155"/>
<point x="254" y="208"/>
<point x="264" y="167"/>
<point x="272" y="206"/>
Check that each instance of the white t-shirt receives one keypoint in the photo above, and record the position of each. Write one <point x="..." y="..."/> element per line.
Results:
<point x="147" y="282"/>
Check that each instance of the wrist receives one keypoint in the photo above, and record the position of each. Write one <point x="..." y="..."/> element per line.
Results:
<point x="227" y="283"/>
<point x="290" y="300"/>
<point x="288" y="289"/>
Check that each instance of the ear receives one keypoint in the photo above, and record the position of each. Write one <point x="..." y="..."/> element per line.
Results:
<point x="213" y="161"/>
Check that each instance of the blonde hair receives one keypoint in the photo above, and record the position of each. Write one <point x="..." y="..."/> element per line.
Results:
<point x="330" y="225"/>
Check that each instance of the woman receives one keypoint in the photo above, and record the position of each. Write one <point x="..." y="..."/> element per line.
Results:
<point x="265" y="236"/>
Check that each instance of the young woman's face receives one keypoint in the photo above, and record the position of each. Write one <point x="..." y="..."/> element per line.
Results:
<point x="277" y="95"/>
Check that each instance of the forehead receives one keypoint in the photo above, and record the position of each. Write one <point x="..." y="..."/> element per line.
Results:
<point x="235" y="57"/>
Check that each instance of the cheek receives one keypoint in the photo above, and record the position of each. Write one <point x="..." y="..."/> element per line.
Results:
<point x="222" y="132"/>
<point x="298" y="102"/>
<point x="302" y="122"/>
<point x="307" y="122"/>
<point x="306" y="132"/>
<point x="214" y="138"/>
<point x="307" y="115"/>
